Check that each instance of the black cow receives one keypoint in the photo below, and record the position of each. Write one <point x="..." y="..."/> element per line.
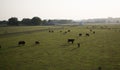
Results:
<point x="80" y="34"/>
<point x="71" y="40"/>
<point x="21" y="43"/>
<point x="68" y="30"/>
<point x="87" y="34"/>
<point x="93" y="32"/>
<point x="78" y="45"/>
<point x="51" y="31"/>
<point x="0" y="46"/>
<point x="37" y="42"/>
<point x="99" y="68"/>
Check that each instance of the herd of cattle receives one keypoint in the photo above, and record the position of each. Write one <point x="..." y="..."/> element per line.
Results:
<point x="23" y="42"/>
<point x="80" y="34"/>
<point x="68" y="40"/>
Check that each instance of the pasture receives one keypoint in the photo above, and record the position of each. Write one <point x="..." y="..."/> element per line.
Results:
<point x="101" y="49"/>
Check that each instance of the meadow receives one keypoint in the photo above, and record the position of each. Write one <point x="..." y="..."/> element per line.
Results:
<point x="101" y="49"/>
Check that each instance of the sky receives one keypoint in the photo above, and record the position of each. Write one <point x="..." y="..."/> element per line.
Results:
<point x="59" y="9"/>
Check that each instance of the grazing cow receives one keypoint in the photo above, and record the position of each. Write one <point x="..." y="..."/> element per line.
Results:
<point x="71" y="40"/>
<point x="90" y="30"/>
<point x="93" y="32"/>
<point x="65" y="33"/>
<point x="37" y="42"/>
<point x="99" y="68"/>
<point x="68" y="30"/>
<point x="78" y="45"/>
<point x="51" y="31"/>
<point x="60" y="31"/>
<point x="0" y="46"/>
<point x="80" y="34"/>
<point x="87" y="34"/>
<point x="21" y="43"/>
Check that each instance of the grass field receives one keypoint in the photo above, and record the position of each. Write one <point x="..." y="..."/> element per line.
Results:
<point x="101" y="49"/>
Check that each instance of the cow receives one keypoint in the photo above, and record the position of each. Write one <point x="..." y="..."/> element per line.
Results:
<point x="65" y="33"/>
<point x="37" y="42"/>
<point x="99" y="68"/>
<point x="68" y="30"/>
<point x="80" y="34"/>
<point x="51" y="31"/>
<point x="0" y="46"/>
<point x="21" y="43"/>
<point x="90" y="30"/>
<point x="60" y="31"/>
<point x="87" y="34"/>
<point x="71" y="40"/>
<point x="78" y="44"/>
<point x="93" y="32"/>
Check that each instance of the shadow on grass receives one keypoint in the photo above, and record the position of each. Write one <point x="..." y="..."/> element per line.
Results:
<point x="11" y="47"/>
<point x="73" y="49"/>
<point x="65" y="45"/>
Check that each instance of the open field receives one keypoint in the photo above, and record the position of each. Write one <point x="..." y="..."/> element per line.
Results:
<point x="16" y="29"/>
<point x="101" y="49"/>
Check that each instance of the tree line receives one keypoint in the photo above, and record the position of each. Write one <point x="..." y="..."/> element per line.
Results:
<point x="13" y="21"/>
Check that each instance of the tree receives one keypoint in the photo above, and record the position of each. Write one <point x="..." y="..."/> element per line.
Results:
<point x="13" y="21"/>
<point x="26" y="21"/>
<point x="44" y="22"/>
<point x="36" y="21"/>
<point x="3" y="23"/>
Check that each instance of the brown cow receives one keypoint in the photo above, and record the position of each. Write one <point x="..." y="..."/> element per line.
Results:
<point x="60" y="31"/>
<point x="90" y="30"/>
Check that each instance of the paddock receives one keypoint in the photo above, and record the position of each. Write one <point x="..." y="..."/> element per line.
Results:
<point x="98" y="51"/>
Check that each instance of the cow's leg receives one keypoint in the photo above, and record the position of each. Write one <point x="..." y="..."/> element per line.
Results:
<point x="72" y="42"/>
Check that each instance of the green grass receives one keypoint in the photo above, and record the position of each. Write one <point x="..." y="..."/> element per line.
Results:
<point x="5" y="30"/>
<point x="54" y="53"/>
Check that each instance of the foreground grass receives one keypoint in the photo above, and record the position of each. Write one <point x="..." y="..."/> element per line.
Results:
<point x="54" y="53"/>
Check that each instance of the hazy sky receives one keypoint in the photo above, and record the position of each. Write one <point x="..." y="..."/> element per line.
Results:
<point x="59" y="9"/>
